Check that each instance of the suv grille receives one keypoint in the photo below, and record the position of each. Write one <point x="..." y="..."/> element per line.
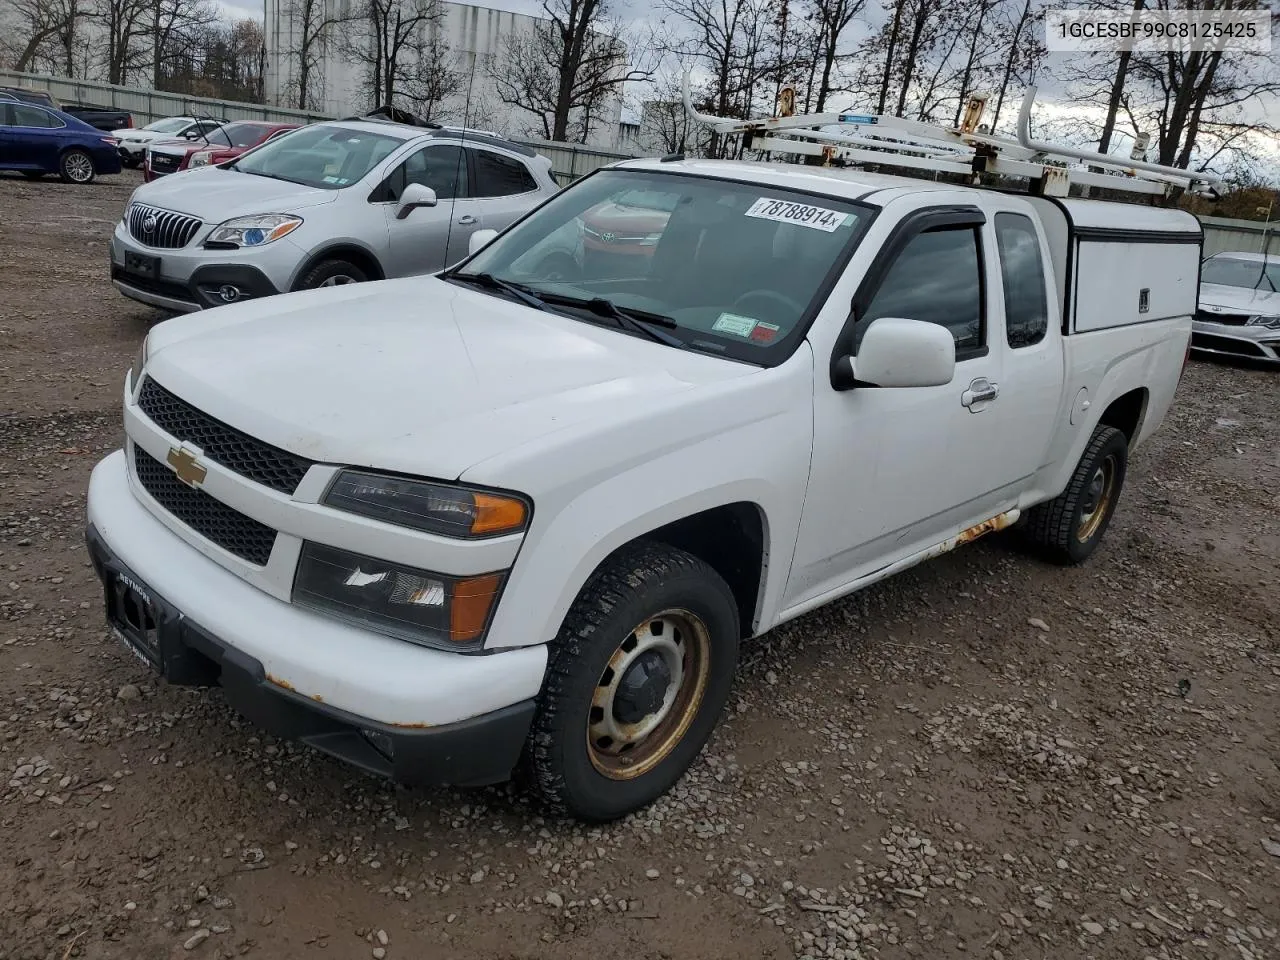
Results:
<point x="160" y="228"/>
<point x="212" y="519"/>
<point x="163" y="162"/>
<point x="239" y="452"/>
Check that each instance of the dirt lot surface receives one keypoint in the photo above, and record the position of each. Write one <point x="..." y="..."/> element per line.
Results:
<point x="985" y="757"/>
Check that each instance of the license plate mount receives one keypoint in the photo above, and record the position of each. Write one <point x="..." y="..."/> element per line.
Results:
<point x="142" y="264"/>
<point x="137" y="618"/>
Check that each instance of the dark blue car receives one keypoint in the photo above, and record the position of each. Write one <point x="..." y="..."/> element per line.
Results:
<point x="37" y="140"/>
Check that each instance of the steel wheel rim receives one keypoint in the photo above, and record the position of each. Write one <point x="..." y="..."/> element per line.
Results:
<point x="1097" y="499"/>
<point x="622" y="750"/>
<point x="79" y="168"/>
<point x="338" y="280"/>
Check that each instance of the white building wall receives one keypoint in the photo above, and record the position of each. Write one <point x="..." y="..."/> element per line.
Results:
<point x="476" y="37"/>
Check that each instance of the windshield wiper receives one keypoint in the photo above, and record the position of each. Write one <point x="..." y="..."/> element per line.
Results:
<point x="489" y="281"/>
<point x="652" y="325"/>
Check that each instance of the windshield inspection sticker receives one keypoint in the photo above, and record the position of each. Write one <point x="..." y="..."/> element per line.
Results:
<point x="764" y="332"/>
<point x="734" y="324"/>
<point x="800" y="214"/>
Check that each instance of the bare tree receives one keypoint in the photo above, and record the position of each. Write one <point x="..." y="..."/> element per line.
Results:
<point x="174" y="27"/>
<point x="433" y="78"/>
<point x="1022" y="52"/>
<point x="726" y="39"/>
<point x="47" y="31"/>
<point x="313" y="24"/>
<point x="832" y="18"/>
<point x="385" y="52"/>
<point x="125" y="25"/>
<point x="570" y="64"/>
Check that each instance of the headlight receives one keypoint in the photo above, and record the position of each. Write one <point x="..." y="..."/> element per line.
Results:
<point x="434" y="508"/>
<point x="254" y="231"/>
<point x="139" y="362"/>
<point x="202" y="159"/>
<point x="402" y="602"/>
<point x="1272" y="323"/>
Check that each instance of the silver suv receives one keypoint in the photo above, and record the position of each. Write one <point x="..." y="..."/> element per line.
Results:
<point x="327" y="204"/>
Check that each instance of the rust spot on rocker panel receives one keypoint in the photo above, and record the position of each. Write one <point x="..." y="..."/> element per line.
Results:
<point x="998" y="522"/>
<point x="281" y="682"/>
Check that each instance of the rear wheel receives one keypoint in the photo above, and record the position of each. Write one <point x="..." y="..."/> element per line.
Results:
<point x="331" y="273"/>
<point x="639" y="673"/>
<point x="76" y="167"/>
<point x="132" y="162"/>
<point x="1068" y="528"/>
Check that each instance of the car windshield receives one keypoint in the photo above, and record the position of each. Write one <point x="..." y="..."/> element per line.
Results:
<point x="241" y="134"/>
<point x="169" y="125"/>
<point x="727" y="267"/>
<point x="1249" y="274"/>
<point x="323" y="155"/>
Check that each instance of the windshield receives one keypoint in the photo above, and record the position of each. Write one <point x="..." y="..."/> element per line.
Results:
<point x="242" y="134"/>
<point x="737" y="268"/>
<point x="171" y="125"/>
<point x="1249" y="274"/>
<point x="322" y="156"/>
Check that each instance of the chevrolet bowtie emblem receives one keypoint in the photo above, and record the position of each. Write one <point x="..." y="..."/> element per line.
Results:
<point x="186" y="466"/>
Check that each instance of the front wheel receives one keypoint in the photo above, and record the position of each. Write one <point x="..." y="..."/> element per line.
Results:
<point x="76" y="167"/>
<point x="331" y="273"/>
<point x="1068" y="528"/>
<point x="638" y="675"/>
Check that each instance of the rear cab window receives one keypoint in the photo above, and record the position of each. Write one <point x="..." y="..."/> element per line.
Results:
<point x="1026" y="302"/>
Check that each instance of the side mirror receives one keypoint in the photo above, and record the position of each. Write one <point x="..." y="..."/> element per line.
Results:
<point x="415" y="195"/>
<point x="480" y="239"/>
<point x="897" y="352"/>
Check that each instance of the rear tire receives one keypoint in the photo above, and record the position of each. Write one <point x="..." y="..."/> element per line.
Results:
<point x="637" y="678"/>
<point x="1068" y="528"/>
<point x="76" y="167"/>
<point x="331" y="273"/>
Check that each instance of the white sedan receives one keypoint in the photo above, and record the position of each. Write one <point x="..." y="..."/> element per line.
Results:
<point x="134" y="140"/>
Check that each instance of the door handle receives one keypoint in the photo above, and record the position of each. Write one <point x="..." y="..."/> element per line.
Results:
<point x="467" y="220"/>
<point x="980" y="391"/>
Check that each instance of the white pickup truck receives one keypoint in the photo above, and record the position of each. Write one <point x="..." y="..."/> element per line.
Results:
<point x="521" y="514"/>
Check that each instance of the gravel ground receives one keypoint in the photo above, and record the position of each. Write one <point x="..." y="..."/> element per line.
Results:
<point x="984" y="757"/>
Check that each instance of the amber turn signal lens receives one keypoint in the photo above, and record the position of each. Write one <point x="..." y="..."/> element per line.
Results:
<point x="495" y="514"/>
<point x="471" y="602"/>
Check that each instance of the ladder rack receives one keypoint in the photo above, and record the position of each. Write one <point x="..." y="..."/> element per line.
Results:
<point x="914" y="145"/>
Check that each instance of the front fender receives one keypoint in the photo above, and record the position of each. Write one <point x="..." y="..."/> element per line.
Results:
<point x="761" y="460"/>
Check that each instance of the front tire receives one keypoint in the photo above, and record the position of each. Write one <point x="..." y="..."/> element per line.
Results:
<point x="1068" y="528"/>
<point x="638" y="675"/>
<point x="331" y="273"/>
<point x="76" y="167"/>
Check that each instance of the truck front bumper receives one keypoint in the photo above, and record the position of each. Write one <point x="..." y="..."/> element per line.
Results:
<point x="198" y="624"/>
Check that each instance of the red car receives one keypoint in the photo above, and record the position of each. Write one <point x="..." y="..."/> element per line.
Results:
<point x="225" y="143"/>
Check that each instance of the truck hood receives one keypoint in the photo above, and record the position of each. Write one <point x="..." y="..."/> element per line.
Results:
<point x="215" y="195"/>
<point x="1239" y="300"/>
<point x="416" y="376"/>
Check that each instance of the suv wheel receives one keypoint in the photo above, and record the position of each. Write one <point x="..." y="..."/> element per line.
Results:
<point x="76" y="167"/>
<point x="331" y="273"/>
<point x="638" y="675"/>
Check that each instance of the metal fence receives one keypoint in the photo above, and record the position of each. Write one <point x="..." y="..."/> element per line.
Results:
<point x="1239" y="236"/>
<point x="569" y="161"/>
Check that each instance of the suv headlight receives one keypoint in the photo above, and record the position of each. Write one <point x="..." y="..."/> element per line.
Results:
<point x="254" y="231"/>
<point x="449" y="613"/>
<point x="203" y="159"/>
<point x="431" y="507"/>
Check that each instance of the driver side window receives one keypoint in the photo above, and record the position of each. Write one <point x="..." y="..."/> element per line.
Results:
<point x="442" y="168"/>
<point x="936" y="278"/>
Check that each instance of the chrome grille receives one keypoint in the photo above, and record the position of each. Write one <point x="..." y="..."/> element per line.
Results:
<point x="1230" y="319"/>
<point x="160" y="228"/>
<point x="164" y="162"/>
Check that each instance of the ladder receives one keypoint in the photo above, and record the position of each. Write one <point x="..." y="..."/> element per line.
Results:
<point x="913" y="145"/>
